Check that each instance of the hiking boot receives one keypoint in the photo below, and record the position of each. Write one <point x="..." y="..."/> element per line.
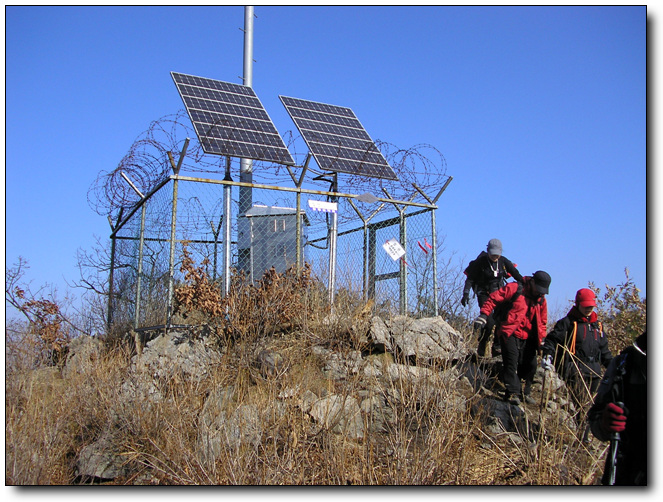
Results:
<point x="529" y="399"/>
<point x="513" y="399"/>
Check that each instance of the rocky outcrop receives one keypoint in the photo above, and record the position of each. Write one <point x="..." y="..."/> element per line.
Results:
<point x="423" y="340"/>
<point x="424" y="362"/>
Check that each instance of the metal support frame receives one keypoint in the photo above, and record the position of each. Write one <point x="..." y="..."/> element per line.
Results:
<point x="139" y="271"/>
<point x="333" y="238"/>
<point x="227" y="228"/>
<point x="173" y="224"/>
<point x="402" y="235"/>
<point x="433" y="222"/>
<point x="245" y="165"/>
<point x="111" y="275"/>
<point x="366" y="287"/>
<point x="141" y="237"/>
<point x="369" y="278"/>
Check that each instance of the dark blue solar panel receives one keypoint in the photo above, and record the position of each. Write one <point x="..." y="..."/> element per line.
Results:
<point x="337" y="140"/>
<point x="229" y="119"/>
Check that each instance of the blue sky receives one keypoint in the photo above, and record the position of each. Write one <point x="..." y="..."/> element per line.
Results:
<point x="540" y="113"/>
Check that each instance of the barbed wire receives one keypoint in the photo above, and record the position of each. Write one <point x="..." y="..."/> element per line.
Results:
<point x="147" y="164"/>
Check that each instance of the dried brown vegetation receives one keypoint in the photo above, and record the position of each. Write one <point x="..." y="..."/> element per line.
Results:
<point x="622" y="311"/>
<point x="51" y="417"/>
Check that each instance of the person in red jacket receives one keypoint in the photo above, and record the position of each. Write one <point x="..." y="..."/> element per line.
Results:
<point x="522" y="333"/>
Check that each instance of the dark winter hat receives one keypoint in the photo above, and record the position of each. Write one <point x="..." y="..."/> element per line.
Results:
<point x="542" y="281"/>
<point x="585" y="298"/>
<point x="495" y="247"/>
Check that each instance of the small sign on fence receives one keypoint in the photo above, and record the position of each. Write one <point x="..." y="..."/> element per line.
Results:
<point x="394" y="249"/>
<point x="320" y="205"/>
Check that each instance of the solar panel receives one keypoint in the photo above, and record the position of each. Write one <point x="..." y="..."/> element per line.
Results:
<point x="337" y="139"/>
<point x="229" y="119"/>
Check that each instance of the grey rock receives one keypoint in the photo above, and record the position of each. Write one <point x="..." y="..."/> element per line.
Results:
<point x="338" y="366"/>
<point x="379" y="335"/>
<point x="174" y="354"/>
<point x="270" y="363"/>
<point x="379" y="416"/>
<point x="426" y="339"/>
<point x="82" y="352"/>
<point x="101" y="460"/>
<point x="223" y="426"/>
<point x="339" y="414"/>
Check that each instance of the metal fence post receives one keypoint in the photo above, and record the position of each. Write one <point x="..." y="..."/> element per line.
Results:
<point x="402" y="276"/>
<point x="111" y="278"/>
<point x="171" y="259"/>
<point x="227" y="192"/>
<point x="434" y="244"/>
<point x="333" y="238"/>
<point x="173" y="224"/>
<point x="139" y="271"/>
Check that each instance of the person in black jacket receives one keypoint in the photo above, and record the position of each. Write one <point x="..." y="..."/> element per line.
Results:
<point x="619" y="415"/>
<point x="486" y="274"/>
<point x="576" y="348"/>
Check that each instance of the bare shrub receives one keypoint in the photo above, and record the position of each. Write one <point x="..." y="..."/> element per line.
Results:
<point x="622" y="311"/>
<point x="248" y="312"/>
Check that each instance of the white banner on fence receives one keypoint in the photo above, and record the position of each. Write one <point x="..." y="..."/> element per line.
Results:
<point x="320" y="205"/>
<point x="394" y="249"/>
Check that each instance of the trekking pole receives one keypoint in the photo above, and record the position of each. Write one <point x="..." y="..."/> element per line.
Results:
<point x="612" y="457"/>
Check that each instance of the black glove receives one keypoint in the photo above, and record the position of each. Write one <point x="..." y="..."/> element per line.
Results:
<point x="480" y="321"/>
<point x="466" y="299"/>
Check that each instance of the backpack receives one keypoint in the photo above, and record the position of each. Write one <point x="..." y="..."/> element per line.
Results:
<point x="501" y="310"/>
<point x="572" y="345"/>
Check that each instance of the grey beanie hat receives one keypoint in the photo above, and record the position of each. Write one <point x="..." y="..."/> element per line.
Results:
<point x="495" y="247"/>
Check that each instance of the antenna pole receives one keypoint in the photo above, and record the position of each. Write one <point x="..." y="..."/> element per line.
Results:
<point x="332" y="236"/>
<point x="246" y="165"/>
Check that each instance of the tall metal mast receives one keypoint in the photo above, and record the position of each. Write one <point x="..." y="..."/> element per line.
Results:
<point x="246" y="165"/>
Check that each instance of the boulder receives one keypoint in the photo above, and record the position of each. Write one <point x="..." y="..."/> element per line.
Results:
<point x="428" y="339"/>
<point x="101" y="460"/>
<point x="339" y="366"/>
<point x="81" y="353"/>
<point x="340" y="414"/>
<point x="500" y="416"/>
<point x="379" y="416"/>
<point x="380" y="336"/>
<point x="270" y="363"/>
<point x="176" y="355"/>
<point x="223" y="425"/>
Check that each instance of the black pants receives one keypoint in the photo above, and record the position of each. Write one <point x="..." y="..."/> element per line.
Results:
<point x="519" y="359"/>
<point x="486" y="330"/>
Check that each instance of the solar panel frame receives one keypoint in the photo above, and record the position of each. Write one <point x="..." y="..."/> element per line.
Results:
<point x="336" y="139"/>
<point x="229" y="119"/>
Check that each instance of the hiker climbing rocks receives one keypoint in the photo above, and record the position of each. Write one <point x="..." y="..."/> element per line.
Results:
<point x="576" y="348"/>
<point x="486" y="274"/>
<point x="522" y="333"/>
<point x="619" y="415"/>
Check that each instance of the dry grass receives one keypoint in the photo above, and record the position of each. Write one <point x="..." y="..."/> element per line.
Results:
<point x="50" y="419"/>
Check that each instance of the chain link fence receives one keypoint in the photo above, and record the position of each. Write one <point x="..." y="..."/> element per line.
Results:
<point x="341" y="236"/>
